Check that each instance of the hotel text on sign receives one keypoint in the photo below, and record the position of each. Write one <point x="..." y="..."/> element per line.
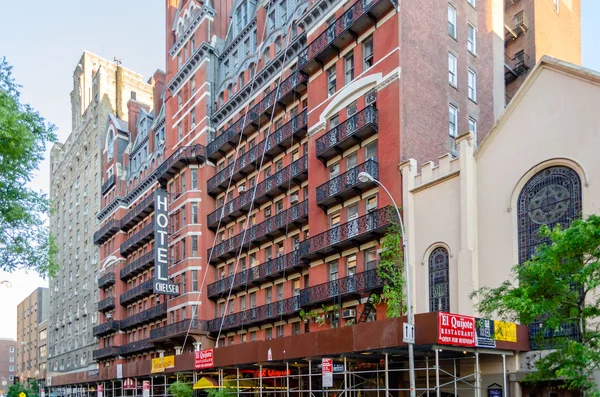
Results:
<point x="457" y="330"/>
<point x="203" y="359"/>
<point x="162" y="285"/>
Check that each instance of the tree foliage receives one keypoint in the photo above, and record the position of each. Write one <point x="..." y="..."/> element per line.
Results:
<point x="391" y="271"/>
<point x="25" y="242"/>
<point x="558" y="290"/>
<point x="221" y="392"/>
<point x="181" y="389"/>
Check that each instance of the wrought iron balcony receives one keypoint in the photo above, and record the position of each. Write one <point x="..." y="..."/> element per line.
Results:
<point x="174" y="330"/>
<point x="137" y="213"/>
<point x="515" y="67"/>
<point x="227" y="140"/>
<point x="352" y="233"/>
<point x="110" y="182"/>
<point x="344" y="30"/>
<point x="185" y="155"/>
<point x="106" y="304"/>
<point x="292" y="87"/>
<point x="267" y="230"/>
<point x="277" y="142"/>
<point x="106" y="231"/>
<point x="268" y="313"/>
<point x="105" y="352"/>
<point x="292" y="175"/>
<point x="356" y="128"/>
<point x="356" y="285"/>
<point x="139" y="291"/>
<point x="107" y="280"/>
<point x="545" y="338"/>
<point x="106" y="328"/>
<point x="256" y="275"/>
<point x="138" y="239"/>
<point x="136" y="347"/>
<point x="144" y="262"/>
<point x="346" y="185"/>
<point x="147" y="315"/>
<point x="515" y="26"/>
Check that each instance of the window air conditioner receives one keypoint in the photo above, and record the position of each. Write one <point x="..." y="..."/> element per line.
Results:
<point x="349" y="313"/>
<point x="294" y="198"/>
<point x="241" y="189"/>
<point x="268" y="212"/>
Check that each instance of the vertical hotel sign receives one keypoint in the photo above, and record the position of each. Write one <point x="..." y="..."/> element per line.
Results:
<point x="162" y="285"/>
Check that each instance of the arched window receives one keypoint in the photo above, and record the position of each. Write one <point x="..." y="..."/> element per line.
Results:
<point x="439" y="286"/>
<point x="551" y="197"/>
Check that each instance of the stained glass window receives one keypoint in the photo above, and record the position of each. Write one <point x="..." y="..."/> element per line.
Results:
<point x="439" y="288"/>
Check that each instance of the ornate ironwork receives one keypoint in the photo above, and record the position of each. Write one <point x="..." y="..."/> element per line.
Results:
<point x="106" y="328"/>
<point x="110" y="228"/>
<point x="276" y="181"/>
<point x="138" y="239"/>
<point x="348" y="232"/>
<point x="179" y="328"/>
<point x="137" y="266"/>
<point x="139" y="211"/>
<point x="439" y="281"/>
<point x="136" y="347"/>
<point x="107" y="280"/>
<point x="346" y="181"/>
<point x="110" y="182"/>
<point x="137" y="292"/>
<point x="356" y="284"/>
<point x="151" y="314"/>
<point x="183" y="155"/>
<point x="105" y="352"/>
<point x="226" y="136"/>
<point x="106" y="304"/>
<point x="347" y="129"/>
<point x="263" y="229"/>
<point x="255" y="274"/>
<point x="289" y="84"/>
<point x="270" y="312"/>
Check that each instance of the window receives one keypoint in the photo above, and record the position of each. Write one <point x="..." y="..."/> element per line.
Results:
<point x="194" y="246"/>
<point x="193" y="117"/>
<point x="272" y="21"/>
<point x="452" y="77"/>
<point x="451" y="21"/>
<point x="280" y="331"/>
<point x="179" y="100"/>
<point x="296" y="328"/>
<point x="556" y="5"/>
<point x="226" y="67"/>
<point x="473" y="126"/>
<point x="453" y="121"/>
<point x="518" y="20"/>
<point x="351" y="109"/>
<point x="194" y="213"/>
<point x="331" y="81"/>
<point x="11" y="368"/>
<point x="283" y="6"/>
<point x="471" y="39"/>
<point x="349" y="68"/>
<point x="334" y="121"/>
<point x="183" y="290"/>
<point x="194" y="178"/>
<point x="471" y="2"/>
<point x="12" y="349"/>
<point x="267" y="56"/>
<point x="179" y="132"/>
<point x="472" y="86"/>
<point x="269" y="333"/>
<point x="247" y="46"/>
<point x="368" y="53"/>
<point x="439" y="291"/>
<point x="11" y="359"/>
<point x="242" y="82"/>
<point x="371" y="151"/>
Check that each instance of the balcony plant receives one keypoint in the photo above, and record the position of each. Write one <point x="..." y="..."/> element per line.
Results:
<point x="306" y="315"/>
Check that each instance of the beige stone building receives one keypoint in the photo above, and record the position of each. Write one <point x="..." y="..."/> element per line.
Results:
<point x="470" y="218"/>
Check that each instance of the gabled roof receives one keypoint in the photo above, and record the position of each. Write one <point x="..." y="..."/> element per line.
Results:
<point x="120" y="124"/>
<point x="544" y="63"/>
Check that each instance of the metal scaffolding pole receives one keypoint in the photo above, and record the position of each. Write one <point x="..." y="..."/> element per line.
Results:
<point x="504" y="382"/>
<point x="427" y="374"/>
<point x="345" y="377"/>
<point x="387" y="378"/>
<point x="260" y="389"/>
<point x="437" y="373"/>
<point x="309" y="377"/>
<point x="477" y="378"/>
<point x="455" y="384"/>
<point x="287" y="378"/>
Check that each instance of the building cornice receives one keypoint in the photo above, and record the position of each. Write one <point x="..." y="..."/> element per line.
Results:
<point x="238" y="39"/>
<point x="204" y="11"/>
<point x="190" y="66"/>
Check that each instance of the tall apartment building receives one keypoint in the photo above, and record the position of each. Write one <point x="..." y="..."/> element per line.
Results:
<point x="31" y="312"/>
<point x="533" y="29"/>
<point x="8" y="363"/>
<point x="100" y="88"/>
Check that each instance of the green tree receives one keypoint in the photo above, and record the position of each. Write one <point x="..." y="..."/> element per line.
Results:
<point x="558" y="288"/>
<point x="221" y="392"/>
<point x="181" y="389"/>
<point x="25" y="241"/>
<point x="391" y="271"/>
<point x="15" y="390"/>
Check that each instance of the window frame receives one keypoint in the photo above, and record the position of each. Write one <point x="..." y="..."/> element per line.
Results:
<point x="472" y="85"/>
<point x="471" y="41"/>
<point x="452" y="74"/>
<point x="452" y="110"/>
<point x="452" y="17"/>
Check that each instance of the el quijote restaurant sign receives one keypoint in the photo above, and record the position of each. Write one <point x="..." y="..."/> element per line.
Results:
<point x="457" y="330"/>
<point x="162" y="285"/>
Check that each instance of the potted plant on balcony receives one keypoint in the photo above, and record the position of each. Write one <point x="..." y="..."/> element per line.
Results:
<point x="306" y="315"/>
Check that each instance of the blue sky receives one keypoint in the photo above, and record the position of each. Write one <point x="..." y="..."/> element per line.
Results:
<point x="44" y="39"/>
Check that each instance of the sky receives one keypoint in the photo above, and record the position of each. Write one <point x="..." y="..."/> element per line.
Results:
<point x="43" y="40"/>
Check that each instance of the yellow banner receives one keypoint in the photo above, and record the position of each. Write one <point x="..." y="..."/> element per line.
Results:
<point x="161" y="363"/>
<point x="505" y="331"/>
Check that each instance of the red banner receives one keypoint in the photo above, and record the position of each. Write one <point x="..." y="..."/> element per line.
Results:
<point x="203" y="359"/>
<point x="457" y="330"/>
<point x="129" y="384"/>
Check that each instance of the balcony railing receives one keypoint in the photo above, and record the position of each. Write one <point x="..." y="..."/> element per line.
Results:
<point x="185" y="155"/>
<point x="348" y="26"/>
<point x="226" y="138"/>
<point x="255" y="275"/>
<point x="355" y="285"/>
<point x="137" y="213"/>
<point x="277" y="142"/>
<point x="151" y="314"/>
<point x="106" y="231"/>
<point x="138" y="239"/>
<point x="137" y="292"/>
<point x="136" y="347"/>
<point x="515" y="26"/>
<point x="515" y="67"/>
<point x="110" y="182"/>
<point x="295" y="172"/>
<point x="106" y="328"/>
<point x="137" y="266"/>
<point x="346" y="185"/>
<point x="107" y="280"/>
<point x="358" y="127"/>
<point x="268" y="229"/>
<point x="270" y="312"/>
<point x="105" y="352"/>
<point x="352" y="233"/>
<point x="291" y="87"/>
<point x="106" y="304"/>
<point x="194" y="326"/>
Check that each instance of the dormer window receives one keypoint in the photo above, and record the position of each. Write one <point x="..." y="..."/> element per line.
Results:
<point x="110" y="149"/>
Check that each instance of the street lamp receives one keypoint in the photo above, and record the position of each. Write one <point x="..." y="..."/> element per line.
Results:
<point x="366" y="177"/>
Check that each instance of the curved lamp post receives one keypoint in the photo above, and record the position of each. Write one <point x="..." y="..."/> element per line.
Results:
<point x="366" y="177"/>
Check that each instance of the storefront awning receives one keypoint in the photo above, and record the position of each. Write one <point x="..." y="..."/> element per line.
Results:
<point x="206" y="382"/>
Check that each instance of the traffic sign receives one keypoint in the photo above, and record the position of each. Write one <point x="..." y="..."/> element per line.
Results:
<point x="408" y="333"/>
